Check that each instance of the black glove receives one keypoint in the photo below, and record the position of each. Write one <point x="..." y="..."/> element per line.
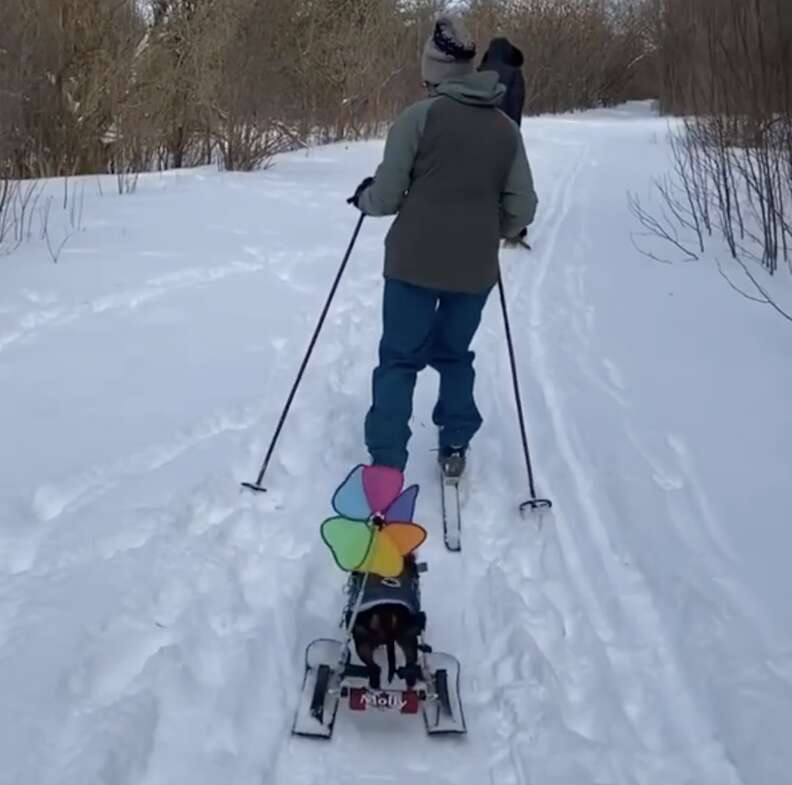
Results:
<point x="355" y="198"/>
<point x="519" y="239"/>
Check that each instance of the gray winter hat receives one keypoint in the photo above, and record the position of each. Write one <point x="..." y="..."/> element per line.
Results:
<point x="448" y="53"/>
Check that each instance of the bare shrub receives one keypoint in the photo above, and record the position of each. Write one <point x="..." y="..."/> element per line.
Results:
<point x="125" y="86"/>
<point x="19" y="203"/>
<point x="727" y="63"/>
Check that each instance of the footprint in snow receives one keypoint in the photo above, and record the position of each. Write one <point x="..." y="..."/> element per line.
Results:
<point x="160" y="254"/>
<point x="39" y="298"/>
<point x="614" y="374"/>
<point x="136" y="533"/>
<point x="663" y="476"/>
<point x="116" y="657"/>
<point x="677" y="445"/>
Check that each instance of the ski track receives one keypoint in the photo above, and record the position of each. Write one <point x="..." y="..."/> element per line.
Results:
<point x="283" y="263"/>
<point x="31" y="324"/>
<point x="51" y="501"/>
<point x="184" y="667"/>
<point x="618" y="605"/>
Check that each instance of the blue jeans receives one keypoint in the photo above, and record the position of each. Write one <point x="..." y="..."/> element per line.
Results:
<point x="423" y="327"/>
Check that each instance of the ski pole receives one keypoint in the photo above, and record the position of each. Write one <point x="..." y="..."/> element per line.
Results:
<point x="533" y="503"/>
<point x="257" y="485"/>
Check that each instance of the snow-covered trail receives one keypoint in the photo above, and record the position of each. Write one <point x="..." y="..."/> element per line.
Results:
<point x="153" y="619"/>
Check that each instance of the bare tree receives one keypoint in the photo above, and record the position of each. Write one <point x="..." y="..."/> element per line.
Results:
<point x="124" y="86"/>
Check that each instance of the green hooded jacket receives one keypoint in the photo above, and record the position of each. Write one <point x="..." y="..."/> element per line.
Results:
<point x="456" y="174"/>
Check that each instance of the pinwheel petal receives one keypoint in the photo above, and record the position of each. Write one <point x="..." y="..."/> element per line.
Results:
<point x="384" y="558"/>
<point x="350" y="501"/>
<point x="349" y="541"/>
<point x="403" y="508"/>
<point x="382" y="485"/>
<point x="406" y="537"/>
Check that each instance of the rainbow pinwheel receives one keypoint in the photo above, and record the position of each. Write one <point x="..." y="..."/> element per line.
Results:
<point x="373" y="531"/>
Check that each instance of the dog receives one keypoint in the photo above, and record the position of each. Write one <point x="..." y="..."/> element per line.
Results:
<point x="390" y="615"/>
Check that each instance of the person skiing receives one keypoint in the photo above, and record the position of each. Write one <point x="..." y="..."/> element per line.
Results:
<point x="506" y="60"/>
<point x="455" y="173"/>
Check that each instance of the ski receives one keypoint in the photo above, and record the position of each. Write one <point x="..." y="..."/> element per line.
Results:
<point x="452" y="512"/>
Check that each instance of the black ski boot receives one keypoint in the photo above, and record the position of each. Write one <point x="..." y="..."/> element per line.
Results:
<point x="452" y="462"/>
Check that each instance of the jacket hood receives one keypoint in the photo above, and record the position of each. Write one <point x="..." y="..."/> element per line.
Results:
<point x="503" y="51"/>
<point x="478" y="89"/>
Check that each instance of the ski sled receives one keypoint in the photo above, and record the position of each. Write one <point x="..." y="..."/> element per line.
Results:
<point x="331" y="678"/>
<point x="373" y="538"/>
<point x="334" y="676"/>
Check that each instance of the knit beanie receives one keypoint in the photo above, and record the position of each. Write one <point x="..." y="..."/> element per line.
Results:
<point x="448" y="53"/>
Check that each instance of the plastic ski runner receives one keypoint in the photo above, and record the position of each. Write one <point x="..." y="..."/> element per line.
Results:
<point x="321" y="694"/>
<point x="443" y="714"/>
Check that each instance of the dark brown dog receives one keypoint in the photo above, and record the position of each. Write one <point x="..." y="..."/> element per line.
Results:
<point x="390" y="616"/>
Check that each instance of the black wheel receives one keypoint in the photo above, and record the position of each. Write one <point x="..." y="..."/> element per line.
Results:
<point x="320" y="692"/>
<point x="441" y="684"/>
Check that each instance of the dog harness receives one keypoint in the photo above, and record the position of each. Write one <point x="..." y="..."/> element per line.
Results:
<point x="403" y="590"/>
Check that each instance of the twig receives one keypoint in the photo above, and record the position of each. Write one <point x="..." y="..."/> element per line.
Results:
<point x="772" y="303"/>
<point x="656" y="229"/>
<point x="762" y="301"/>
<point x="56" y="252"/>
<point x="643" y="251"/>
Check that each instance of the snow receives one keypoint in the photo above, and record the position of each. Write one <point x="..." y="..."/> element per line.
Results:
<point x="153" y="618"/>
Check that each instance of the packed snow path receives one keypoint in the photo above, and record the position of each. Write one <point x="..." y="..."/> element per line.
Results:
<point x="153" y="619"/>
